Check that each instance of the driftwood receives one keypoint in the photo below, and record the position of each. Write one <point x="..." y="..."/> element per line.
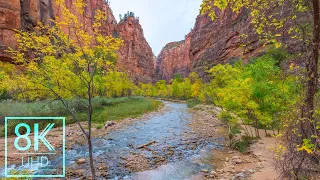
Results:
<point x="147" y="144"/>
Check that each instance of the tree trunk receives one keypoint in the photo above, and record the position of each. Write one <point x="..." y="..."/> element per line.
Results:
<point x="312" y="65"/>
<point x="312" y="75"/>
<point x="90" y="110"/>
<point x="93" y="173"/>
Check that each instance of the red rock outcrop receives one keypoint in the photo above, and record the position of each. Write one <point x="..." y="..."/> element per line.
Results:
<point x="135" y="57"/>
<point x="211" y="42"/>
<point x="174" y="60"/>
<point x="219" y="41"/>
<point x="9" y="20"/>
<point x="214" y="42"/>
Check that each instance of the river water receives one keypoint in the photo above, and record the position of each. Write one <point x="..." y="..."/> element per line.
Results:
<point x="175" y="151"/>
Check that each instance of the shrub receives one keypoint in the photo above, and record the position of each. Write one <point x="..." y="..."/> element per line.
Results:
<point x="243" y="144"/>
<point x="193" y="102"/>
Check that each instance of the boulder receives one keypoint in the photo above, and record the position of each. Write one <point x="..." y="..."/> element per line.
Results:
<point x="109" y="124"/>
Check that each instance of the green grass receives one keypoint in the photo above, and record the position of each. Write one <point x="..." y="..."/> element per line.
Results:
<point x="105" y="109"/>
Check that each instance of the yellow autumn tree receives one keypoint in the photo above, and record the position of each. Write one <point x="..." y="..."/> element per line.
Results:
<point x="60" y="65"/>
<point x="299" y="21"/>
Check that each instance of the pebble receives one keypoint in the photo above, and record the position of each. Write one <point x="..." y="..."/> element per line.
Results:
<point x="235" y="157"/>
<point x="81" y="161"/>
<point x="204" y="170"/>
<point x="214" y="173"/>
<point x="237" y="161"/>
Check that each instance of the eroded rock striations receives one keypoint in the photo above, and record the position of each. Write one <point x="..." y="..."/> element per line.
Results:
<point x="219" y="41"/>
<point x="209" y="43"/>
<point x="174" y="60"/>
<point x="135" y="57"/>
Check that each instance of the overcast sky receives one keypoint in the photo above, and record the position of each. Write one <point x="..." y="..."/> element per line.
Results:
<point x="163" y="21"/>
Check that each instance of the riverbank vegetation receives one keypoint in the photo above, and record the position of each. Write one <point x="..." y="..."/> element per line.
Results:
<point x="278" y="22"/>
<point x="260" y="93"/>
<point x="105" y="109"/>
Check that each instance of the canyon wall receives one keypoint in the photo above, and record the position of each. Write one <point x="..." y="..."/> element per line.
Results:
<point x="210" y="43"/>
<point x="135" y="57"/>
<point x="174" y="60"/>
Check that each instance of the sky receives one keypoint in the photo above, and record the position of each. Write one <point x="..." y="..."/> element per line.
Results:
<point x="163" y="21"/>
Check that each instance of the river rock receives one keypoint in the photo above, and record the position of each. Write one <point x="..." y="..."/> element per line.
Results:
<point x="80" y="172"/>
<point x="235" y="157"/>
<point x="213" y="173"/>
<point x="109" y="124"/>
<point x="102" y="174"/>
<point x="102" y="166"/>
<point x="237" y="161"/>
<point x="81" y="161"/>
<point x="205" y="170"/>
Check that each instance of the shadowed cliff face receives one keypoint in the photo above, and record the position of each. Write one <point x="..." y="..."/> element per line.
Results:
<point x="135" y="57"/>
<point x="210" y="43"/>
<point x="216" y="42"/>
<point x="219" y="41"/>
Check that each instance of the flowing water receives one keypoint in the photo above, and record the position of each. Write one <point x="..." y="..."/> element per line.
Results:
<point x="173" y="152"/>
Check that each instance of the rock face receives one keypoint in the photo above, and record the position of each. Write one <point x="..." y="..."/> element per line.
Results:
<point x="209" y="43"/>
<point x="135" y="57"/>
<point x="219" y="41"/>
<point x="174" y="60"/>
<point x="9" y="20"/>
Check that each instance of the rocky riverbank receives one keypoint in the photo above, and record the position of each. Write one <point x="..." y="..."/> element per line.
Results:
<point x="255" y="164"/>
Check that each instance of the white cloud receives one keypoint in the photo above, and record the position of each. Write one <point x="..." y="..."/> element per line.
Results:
<point x="163" y="21"/>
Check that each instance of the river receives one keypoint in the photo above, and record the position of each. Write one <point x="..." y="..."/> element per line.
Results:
<point x="173" y="150"/>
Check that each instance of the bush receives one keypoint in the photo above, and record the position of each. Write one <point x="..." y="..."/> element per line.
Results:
<point x="99" y="126"/>
<point x="5" y="95"/>
<point x="193" y="102"/>
<point x="224" y="117"/>
<point x="242" y="145"/>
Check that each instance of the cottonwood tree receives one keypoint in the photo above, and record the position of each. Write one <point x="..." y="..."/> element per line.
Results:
<point x="274" y="20"/>
<point x="62" y="66"/>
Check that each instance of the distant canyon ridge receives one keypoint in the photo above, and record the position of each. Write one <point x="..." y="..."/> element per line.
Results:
<point x="209" y="43"/>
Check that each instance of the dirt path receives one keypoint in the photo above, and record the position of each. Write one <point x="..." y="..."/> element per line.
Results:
<point x="229" y="164"/>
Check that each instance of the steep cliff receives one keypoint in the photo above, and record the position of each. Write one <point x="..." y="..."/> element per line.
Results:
<point x="9" y="20"/>
<point x="135" y="57"/>
<point x="174" y="60"/>
<point x="219" y="41"/>
<point x="210" y="43"/>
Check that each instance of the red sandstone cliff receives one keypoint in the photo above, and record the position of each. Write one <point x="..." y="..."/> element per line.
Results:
<point x="135" y="57"/>
<point x="174" y="60"/>
<point x="219" y="41"/>
<point x="210" y="43"/>
<point x="213" y="42"/>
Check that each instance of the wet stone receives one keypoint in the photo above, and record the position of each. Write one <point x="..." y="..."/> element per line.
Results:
<point x="81" y="161"/>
